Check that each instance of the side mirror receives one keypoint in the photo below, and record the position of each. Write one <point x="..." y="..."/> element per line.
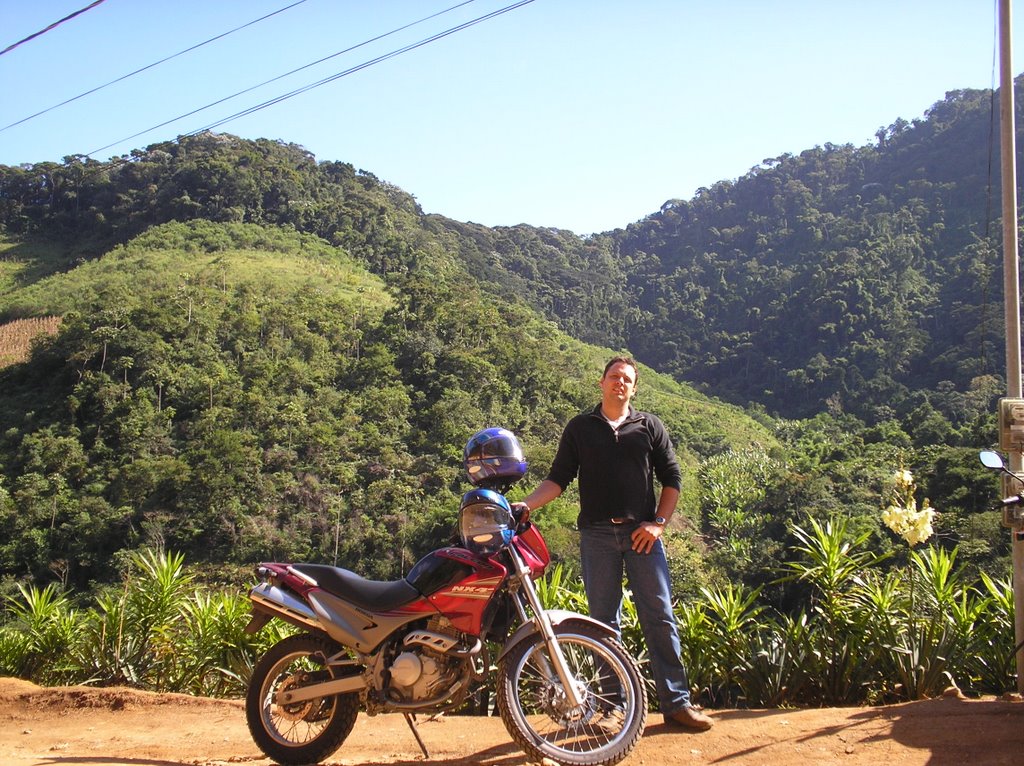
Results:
<point x="992" y="460"/>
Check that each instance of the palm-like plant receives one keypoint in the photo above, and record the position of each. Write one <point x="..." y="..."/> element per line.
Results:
<point x="732" y="618"/>
<point x="213" y="656"/>
<point x="989" y="657"/>
<point x="773" y="668"/>
<point x="128" y="638"/>
<point x="840" y="652"/>
<point x="865" y="635"/>
<point x="44" y="630"/>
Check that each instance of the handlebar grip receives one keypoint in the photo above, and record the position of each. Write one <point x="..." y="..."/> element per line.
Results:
<point x="520" y="512"/>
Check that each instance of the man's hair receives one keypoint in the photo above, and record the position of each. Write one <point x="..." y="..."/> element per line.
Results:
<point x="622" y="360"/>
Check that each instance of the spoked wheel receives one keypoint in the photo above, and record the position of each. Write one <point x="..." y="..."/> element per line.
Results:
<point x="305" y="732"/>
<point x="604" y="729"/>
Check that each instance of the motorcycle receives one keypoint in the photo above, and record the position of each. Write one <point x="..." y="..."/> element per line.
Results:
<point x="566" y="689"/>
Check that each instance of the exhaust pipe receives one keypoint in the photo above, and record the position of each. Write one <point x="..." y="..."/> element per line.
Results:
<point x="280" y="603"/>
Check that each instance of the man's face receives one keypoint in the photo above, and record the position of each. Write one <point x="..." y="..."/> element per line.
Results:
<point x="619" y="383"/>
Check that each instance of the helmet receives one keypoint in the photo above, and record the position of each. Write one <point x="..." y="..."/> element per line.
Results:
<point x="485" y="521"/>
<point x="494" y="459"/>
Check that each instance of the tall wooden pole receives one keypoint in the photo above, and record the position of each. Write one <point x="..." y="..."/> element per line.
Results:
<point x="1011" y="285"/>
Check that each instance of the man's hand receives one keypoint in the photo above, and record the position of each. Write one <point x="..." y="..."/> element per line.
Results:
<point x="521" y="511"/>
<point x="644" y="536"/>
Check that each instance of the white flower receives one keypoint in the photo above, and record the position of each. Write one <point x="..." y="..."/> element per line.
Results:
<point x="913" y="525"/>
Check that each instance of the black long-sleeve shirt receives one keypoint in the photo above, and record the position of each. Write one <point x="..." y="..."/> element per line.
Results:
<point x="616" y="468"/>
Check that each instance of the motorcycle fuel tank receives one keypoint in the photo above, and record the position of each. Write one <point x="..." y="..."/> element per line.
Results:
<point x="459" y="584"/>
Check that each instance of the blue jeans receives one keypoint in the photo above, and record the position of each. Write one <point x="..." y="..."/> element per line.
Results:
<point x="605" y="551"/>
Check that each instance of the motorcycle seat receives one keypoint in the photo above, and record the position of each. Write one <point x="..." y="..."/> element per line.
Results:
<point x="375" y="595"/>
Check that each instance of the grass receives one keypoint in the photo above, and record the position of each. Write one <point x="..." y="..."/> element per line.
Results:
<point x="34" y="281"/>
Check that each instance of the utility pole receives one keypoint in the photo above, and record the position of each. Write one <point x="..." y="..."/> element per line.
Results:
<point x="1011" y="297"/>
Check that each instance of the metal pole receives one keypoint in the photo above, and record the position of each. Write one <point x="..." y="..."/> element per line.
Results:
<point x="1011" y="300"/>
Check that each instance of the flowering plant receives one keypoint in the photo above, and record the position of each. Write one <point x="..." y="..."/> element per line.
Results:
<point x="903" y="516"/>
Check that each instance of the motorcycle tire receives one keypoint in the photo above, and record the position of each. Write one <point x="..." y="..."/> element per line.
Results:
<point x="601" y="731"/>
<point x="306" y="732"/>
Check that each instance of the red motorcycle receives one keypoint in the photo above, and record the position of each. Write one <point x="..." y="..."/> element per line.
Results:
<point x="566" y="688"/>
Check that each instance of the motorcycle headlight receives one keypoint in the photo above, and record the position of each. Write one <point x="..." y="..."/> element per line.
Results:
<point x="486" y="524"/>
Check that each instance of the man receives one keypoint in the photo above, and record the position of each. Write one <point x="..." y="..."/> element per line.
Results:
<point x="617" y="452"/>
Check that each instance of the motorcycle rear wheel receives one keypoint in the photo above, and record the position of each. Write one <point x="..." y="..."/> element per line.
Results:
<point x="306" y="732"/>
<point x="600" y="732"/>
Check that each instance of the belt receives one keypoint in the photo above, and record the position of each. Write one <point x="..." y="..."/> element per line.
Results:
<point x="616" y="521"/>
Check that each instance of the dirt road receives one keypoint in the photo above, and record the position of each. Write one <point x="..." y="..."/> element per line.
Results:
<point x="79" y="726"/>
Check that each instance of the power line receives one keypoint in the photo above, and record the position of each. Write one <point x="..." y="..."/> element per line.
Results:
<point x="359" y="67"/>
<point x="54" y="25"/>
<point x="150" y="66"/>
<point x="279" y="77"/>
<point x="314" y="63"/>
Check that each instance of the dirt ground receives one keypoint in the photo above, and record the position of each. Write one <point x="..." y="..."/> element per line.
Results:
<point x="84" y="726"/>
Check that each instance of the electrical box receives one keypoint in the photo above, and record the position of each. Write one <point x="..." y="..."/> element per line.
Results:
<point x="1013" y="515"/>
<point x="1011" y="424"/>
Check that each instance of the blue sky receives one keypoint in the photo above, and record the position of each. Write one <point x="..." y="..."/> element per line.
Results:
<point x="579" y="114"/>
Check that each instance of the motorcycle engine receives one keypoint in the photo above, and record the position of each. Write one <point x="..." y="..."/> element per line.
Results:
<point x="428" y="665"/>
<point x="415" y="675"/>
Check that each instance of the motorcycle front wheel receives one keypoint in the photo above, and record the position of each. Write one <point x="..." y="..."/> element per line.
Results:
<point x="601" y="731"/>
<point x="305" y="732"/>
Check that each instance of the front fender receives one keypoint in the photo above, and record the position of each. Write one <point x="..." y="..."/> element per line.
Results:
<point x="528" y="630"/>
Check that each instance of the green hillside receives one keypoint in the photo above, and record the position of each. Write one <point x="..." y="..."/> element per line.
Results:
<point x="240" y="392"/>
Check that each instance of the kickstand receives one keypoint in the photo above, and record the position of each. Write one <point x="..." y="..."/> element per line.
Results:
<point x="411" y="720"/>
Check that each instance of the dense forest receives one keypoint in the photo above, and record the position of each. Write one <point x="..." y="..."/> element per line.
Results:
<point x="252" y="354"/>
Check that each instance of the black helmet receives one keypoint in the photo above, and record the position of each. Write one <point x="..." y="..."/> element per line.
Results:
<point x="485" y="521"/>
<point x="494" y="459"/>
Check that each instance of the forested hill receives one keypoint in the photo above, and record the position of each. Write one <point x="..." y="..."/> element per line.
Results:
<point x="845" y="275"/>
<point x="863" y="279"/>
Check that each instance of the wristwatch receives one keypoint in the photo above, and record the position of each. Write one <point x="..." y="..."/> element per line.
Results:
<point x="660" y="521"/>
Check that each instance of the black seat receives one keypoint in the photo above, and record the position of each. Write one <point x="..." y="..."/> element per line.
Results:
<point x="376" y="595"/>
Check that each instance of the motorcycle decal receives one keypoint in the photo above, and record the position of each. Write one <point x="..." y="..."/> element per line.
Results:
<point x="479" y="589"/>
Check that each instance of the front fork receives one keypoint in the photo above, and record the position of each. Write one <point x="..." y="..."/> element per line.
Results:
<point x="558" y="666"/>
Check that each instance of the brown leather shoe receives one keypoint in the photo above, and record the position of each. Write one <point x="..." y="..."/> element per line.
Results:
<point x="690" y="718"/>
